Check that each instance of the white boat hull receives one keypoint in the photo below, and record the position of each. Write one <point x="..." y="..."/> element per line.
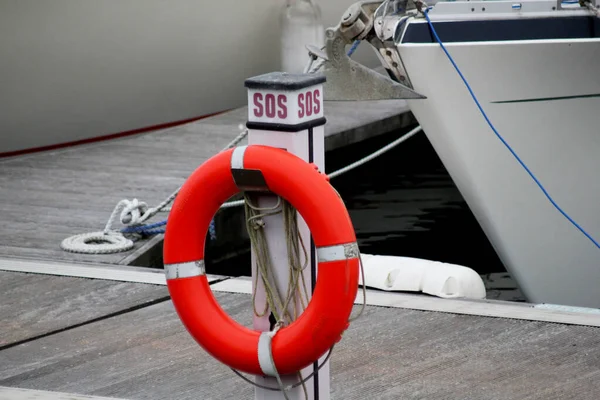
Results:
<point x="543" y="96"/>
<point x="72" y="70"/>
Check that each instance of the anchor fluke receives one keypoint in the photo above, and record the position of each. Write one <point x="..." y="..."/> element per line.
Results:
<point x="354" y="81"/>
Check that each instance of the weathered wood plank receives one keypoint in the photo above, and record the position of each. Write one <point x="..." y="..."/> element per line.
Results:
<point x="37" y="253"/>
<point x="34" y="305"/>
<point x="55" y="253"/>
<point x="148" y="349"/>
<point x="388" y="353"/>
<point x="7" y="393"/>
<point x="118" y="273"/>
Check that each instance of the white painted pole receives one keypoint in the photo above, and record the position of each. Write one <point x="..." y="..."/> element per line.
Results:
<point x="286" y="111"/>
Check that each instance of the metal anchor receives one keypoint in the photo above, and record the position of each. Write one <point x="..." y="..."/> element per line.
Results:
<point x="347" y="79"/>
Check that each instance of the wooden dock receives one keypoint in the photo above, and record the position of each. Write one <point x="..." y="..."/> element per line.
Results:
<point x="124" y="340"/>
<point x="50" y="196"/>
<point x="75" y="326"/>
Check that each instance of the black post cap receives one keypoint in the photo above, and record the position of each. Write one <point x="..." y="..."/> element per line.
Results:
<point x="284" y="81"/>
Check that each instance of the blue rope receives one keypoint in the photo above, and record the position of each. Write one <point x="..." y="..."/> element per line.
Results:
<point x="353" y="48"/>
<point x="212" y="232"/>
<point x="535" y="179"/>
<point x="150" y="229"/>
<point x="153" y="231"/>
<point x="142" y="228"/>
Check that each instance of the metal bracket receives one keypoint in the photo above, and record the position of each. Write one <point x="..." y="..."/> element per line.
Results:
<point x="357" y="21"/>
<point x="249" y="180"/>
<point x="347" y="79"/>
<point x="388" y="28"/>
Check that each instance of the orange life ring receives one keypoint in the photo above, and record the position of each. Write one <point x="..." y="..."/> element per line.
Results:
<point x="320" y="325"/>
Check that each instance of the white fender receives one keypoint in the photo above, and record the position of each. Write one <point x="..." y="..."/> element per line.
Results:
<point x="391" y="273"/>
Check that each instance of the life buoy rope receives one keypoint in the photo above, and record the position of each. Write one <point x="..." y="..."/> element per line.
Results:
<point x="321" y="324"/>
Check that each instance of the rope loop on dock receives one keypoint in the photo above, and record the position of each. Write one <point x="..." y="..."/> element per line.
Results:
<point x="97" y="243"/>
<point x="132" y="214"/>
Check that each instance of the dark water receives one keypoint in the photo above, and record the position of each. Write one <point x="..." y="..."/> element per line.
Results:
<point x="404" y="203"/>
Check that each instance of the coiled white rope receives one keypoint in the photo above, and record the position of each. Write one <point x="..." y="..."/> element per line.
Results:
<point x="97" y="243"/>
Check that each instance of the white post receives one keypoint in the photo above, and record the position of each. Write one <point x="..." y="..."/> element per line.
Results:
<point x="286" y="111"/>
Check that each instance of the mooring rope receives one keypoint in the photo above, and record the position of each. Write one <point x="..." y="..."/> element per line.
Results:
<point x="131" y="213"/>
<point x="296" y="295"/>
